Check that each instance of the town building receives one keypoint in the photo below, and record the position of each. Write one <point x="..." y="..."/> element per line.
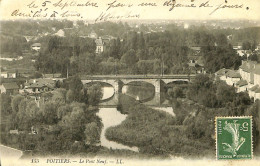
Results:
<point x="246" y="79"/>
<point x="257" y="47"/>
<point x="195" y="66"/>
<point x="8" y="74"/>
<point x="36" y="46"/>
<point x="100" y="45"/>
<point x="247" y="71"/>
<point x="60" y="33"/>
<point x="9" y="88"/>
<point x="221" y="74"/>
<point x="232" y="77"/>
<point x="237" y="46"/>
<point x="37" y="86"/>
<point x="196" y="50"/>
<point x="242" y="86"/>
<point x="4" y="74"/>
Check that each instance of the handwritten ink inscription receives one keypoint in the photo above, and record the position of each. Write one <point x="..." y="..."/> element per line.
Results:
<point x="68" y="8"/>
<point x="67" y="4"/>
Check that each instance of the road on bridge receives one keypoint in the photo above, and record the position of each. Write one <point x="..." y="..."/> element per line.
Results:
<point x="180" y="76"/>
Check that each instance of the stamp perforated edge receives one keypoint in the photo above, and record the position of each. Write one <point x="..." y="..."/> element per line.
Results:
<point x="231" y="117"/>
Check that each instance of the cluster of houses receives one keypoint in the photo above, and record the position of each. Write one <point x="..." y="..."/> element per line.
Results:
<point x="246" y="79"/>
<point x="31" y="87"/>
<point x="241" y="52"/>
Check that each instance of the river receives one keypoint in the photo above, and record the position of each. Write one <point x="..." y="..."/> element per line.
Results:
<point x="112" y="117"/>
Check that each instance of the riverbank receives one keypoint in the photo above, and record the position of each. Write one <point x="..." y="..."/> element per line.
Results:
<point x="156" y="133"/>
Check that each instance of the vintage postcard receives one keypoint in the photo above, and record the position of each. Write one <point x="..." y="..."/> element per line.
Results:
<point x="129" y="82"/>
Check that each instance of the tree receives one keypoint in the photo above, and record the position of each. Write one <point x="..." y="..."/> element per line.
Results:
<point x="63" y="110"/>
<point x="92" y="133"/>
<point x="141" y="55"/>
<point x="49" y="112"/>
<point x="141" y="41"/>
<point x="129" y="58"/>
<point x="202" y="90"/>
<point x="207" y="98"/>
<point x="15" y="103"/>
<point x="53" y="43"/>
<point x="254" y="110"/>
<point x="221" y="40"/>
<point x="145" y="66"/>
<point x="87" y="63"/>
<point x="225" y="93"/>
<point x="28" y="114"/>
<point x="73" y="125"/>
<point x="69" y="96"/>
<point x="219" y="57"/>
<point x="94" y="94"/>
<point x="21" y="115"/>
<point x="5" y="101"/>
<point x="177" y="92"/>
<point x="75" y="85"/>
<point x="59" y="96"/>
<point x="246" y="45"/>
<point x="253" y="57"/>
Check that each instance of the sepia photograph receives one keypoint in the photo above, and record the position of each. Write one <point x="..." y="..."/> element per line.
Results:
<point x="127" y="82"/>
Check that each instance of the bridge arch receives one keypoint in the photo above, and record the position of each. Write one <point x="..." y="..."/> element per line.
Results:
<point x="107" y="93"/>
<point x="154" y="82"/>
<point x="167" y="81"/>
<point x="103" y="83"/>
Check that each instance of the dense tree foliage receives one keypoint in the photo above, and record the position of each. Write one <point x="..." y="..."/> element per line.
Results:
<point x="78" y="92"/>
<point x="58" y="124"/>
<point x="135" y="50"/>
<point x="216" y="94"/>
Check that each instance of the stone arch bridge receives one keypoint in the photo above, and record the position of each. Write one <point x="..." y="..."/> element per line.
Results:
<point x="118" y="81"/>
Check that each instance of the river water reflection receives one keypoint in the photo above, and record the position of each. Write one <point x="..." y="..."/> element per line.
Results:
<point x="108" y="92"/>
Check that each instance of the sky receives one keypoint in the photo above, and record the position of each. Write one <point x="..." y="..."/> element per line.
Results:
<point x="244" y="9"/>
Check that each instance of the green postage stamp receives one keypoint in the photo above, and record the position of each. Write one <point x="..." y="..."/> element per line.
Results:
<point x="234" y="138"/>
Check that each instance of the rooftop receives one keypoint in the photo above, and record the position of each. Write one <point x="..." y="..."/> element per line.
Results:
<point x="248" y="66"/>
<point x="10" y="85"/>
<point x="41" y="82"/>
<point x="254" y="88"/>
<point x="36" y="45"/>
<point x="222" y="72"/>
<point x="99" y="42"/>
<point x="233" y="74"/>
<point x="241" y="83"/>
<point x="258" y="90"/>
<point x="195" y="48"/>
